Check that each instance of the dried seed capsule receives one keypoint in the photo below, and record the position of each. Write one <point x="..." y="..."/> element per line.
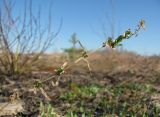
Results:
<point x="142" y="24"/>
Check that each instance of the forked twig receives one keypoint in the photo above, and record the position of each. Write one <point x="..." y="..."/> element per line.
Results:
<point x="45" y="94"/>
<point x="89" y="68"/>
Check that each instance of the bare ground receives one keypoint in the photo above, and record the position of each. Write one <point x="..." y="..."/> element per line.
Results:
<point x="112" y="70"/>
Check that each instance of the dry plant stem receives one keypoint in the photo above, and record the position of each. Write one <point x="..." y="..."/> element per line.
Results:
<point x="56" y="83"/>
<point x="76" y="61"/>
<point x="84" y="57"/>
<point x="90" y="70"/>
<point x="79" y="59"/>
<point x="58" y="78"/>
<point x="50" y="78"/>
<point x="85" y="54"/>
<point x="95" y="51"/>
<point x="45" y="94"/>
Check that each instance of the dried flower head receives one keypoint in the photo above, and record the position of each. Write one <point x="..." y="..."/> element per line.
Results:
<point x="142" y="24"/>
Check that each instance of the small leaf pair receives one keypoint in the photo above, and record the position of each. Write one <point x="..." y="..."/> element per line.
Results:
<point x="38" y="84"/>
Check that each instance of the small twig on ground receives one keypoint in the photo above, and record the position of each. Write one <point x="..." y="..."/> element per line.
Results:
<point x="45" y="94"/>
